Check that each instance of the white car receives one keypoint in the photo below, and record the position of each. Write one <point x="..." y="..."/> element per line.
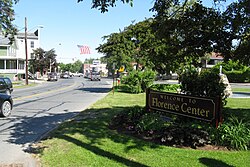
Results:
<point x="95" y="76"/>
<point x="77" y="74"/>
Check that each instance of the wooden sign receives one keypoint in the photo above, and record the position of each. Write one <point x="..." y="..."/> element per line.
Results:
<point x="206" y="109"/>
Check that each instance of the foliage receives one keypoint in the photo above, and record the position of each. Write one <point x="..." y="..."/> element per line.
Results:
<point x="179" y="33"/>
<point x="233" y="133"/>
<point x="128" y="118"/>
<point x="149" y="123"/>
<point x="230" y="66"/>
<point x="234" y="70"/>
<point x="196" y="30"/>
<point x="129" y="46"/>
<point x="43" y="61"/>
<point x="166" y="87"/>
<point x="72" y="67"/>
<point x="138" y="81"/>
<point x="206" y="84"/>
<point x="237" y="76"/>
<point x="237" y="20"/>
<point x="147" y="79"/>
<point x="103" y="5"/>
<point x="6" y="18"/>
<point x="77" y="66"/>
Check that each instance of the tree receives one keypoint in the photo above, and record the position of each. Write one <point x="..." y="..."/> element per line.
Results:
<point x="72" y="67"/>
<point x="198" y="30"/>
<point x="50" y="60"/>
<point x="117" y="50"/>
<point x="43" y="61"/>
<point x="103" y="5"/>
<point x="237" y="19"/>
<point x="6" y="18"/>
<point x="77" y="66"/>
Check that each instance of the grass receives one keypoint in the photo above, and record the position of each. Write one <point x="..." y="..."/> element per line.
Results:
<point x="241" y="90"/>
<point x="87" y="141"/>
<point x="21" y="84"/>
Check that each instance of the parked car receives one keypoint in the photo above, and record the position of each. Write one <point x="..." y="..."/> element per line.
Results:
<point x="78" y="74"/>
<point x="52" y="76"/>
<point x="64" y="75"/>
<point x="6" y="105"/>
<point x="6" y="86"/>
<point x="95" y="76"/>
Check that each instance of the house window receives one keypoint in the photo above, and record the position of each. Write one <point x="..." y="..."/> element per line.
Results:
<point x="11" y="64"/>
<point x="211" y="62"/>
<point x="3" y="50"/>
<point x="1" y="64"/>
<point x="21" y="65"/>
<point x="32" y="44"/>
<point x="32" y="56"/>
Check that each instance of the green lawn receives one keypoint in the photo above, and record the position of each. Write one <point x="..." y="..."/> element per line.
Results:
<point x="241" y="90"/>
<point x="21" y="84"/>
<point x="87" y="141"/>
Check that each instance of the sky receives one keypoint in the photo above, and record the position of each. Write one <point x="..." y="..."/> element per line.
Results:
<point x="67" y="24"/>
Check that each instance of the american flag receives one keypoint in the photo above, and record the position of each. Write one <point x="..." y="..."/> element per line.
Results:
<point x="84" y="49"/>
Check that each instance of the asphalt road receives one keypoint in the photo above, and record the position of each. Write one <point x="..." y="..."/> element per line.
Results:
<point x="40" y="109"/>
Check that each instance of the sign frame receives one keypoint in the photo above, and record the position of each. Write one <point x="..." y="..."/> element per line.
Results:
<point x="202" y="108"/>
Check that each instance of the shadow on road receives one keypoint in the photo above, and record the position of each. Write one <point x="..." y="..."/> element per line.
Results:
<point x="95" y="90"/>
<point x="30" y="130"/>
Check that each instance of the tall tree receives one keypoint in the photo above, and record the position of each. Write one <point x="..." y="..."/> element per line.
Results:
<point x="43" y="61"/>
<point x="117" y="50"/>
<point x="50" y="60"/>
<point x="199" y="30"/>
<point x="6" y="18"/>
<point x="237" y="22"/>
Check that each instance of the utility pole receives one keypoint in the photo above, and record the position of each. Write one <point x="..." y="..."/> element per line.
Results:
<point x="26" y="53"/>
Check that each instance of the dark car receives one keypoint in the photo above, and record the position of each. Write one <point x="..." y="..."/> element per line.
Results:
<point x="6" y="86"/>
<point x="52" y="76"/>
<point x="6" y="105"/>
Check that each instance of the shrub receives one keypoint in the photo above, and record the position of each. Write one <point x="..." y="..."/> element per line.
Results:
<point x="206" y="84"/>
<point x="149" y="123"/>
<point x="128" y="118"/>
<point x="147" y="79"/>
<point x="235" y="71"/>
<point x="138" y="81"/>
<point x="234" y="134"/>
<point x="236" y="76"/>
<point x="165" y="87"/>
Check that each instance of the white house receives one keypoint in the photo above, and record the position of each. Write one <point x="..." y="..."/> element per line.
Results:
<point x="13" y="56"/>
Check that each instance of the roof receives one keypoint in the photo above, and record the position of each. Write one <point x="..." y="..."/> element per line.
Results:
<point x="4" y="41"/>
<point x="216" y="56"/>
<point x="29" y="35"/>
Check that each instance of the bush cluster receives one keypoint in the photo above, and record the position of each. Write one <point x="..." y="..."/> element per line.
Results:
<point x="179" y="131"/>
<point x="165" y="87"/>
<point x="233" y="133"/>
<point x="235" y="72"/>
<point x="205" y="83"/>
<point x="137" y="81"/>
<point x="155" y="127"/>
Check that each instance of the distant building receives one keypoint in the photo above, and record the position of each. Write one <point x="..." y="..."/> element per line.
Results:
<point x="212" y="60"/>
<point x="13" y="56"/>
<point x="96" y="66"/>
